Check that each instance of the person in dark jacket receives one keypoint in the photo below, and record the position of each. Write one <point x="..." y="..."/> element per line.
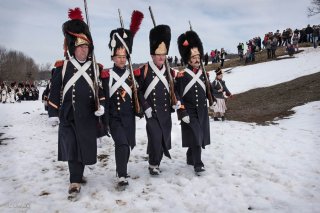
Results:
<point x="120" y="112"/>
<point x="206" y="59"/>
<point x="74" y="107"/>
<point x="155" y="98"/>
<point x="309" y="32"/>
<point x="191" y="91"/>
<point x="222" y="56"/>
<point x="221" y="93"/>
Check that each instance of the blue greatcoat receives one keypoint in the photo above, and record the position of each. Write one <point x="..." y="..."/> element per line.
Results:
<point x="119" y="114"/>
<point x="160" y="124"/>
<point x="78" y="124"/>
<point x="194" y="103"/>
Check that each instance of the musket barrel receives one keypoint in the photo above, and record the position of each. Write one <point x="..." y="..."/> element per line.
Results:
<point x="96" y="85"/>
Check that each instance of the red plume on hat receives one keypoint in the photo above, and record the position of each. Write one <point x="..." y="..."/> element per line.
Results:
<point x="75" y="14"/>
<point x="73" y="29"/>
<point x="136" y="20"/>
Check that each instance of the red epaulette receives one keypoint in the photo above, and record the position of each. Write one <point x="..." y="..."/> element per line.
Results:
<point x="180" y="74"/>
<point x="137" y="72"/>
<point x="105" y="73"/>
<point x="59" y="63"/>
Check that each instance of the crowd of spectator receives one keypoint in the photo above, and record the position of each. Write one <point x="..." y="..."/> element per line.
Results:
<point x="271" y="41"/>
<point x="13" y="92"/>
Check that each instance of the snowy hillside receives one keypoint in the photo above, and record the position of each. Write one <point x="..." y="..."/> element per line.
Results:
<point x="249" y="168"/>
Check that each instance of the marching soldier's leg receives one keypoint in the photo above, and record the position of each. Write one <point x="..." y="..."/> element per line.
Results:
<point x="76" y="170"/>
<point x="76" y="174"/>
<point x="155" y="157"/>
<point x="196" y="154"/>
<point x="189" y="156"/>
<point x="122" y="153"/>
<point x="154" y="145"/>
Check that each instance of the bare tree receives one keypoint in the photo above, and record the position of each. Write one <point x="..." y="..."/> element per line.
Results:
<point x="15" y="66"/>
<point x="314" y="9"/>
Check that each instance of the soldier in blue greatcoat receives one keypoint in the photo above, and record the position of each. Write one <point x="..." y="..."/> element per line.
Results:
<point x="120" y="112"/>
<point x="72" y="101"/>
<point x="191" y="91"/>
<point x="155" y="98"/>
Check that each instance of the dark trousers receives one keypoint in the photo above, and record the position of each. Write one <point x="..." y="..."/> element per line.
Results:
<point x="194" y="155"/>
<point x="273" y="53"/>
<point x="155" y="153"/>
<point x="155" y="142"/>
<point x="122" y="153"/>
<point x="222" y="62"/>
<point x="269" y="53"/>
<point x="76" y="171"/>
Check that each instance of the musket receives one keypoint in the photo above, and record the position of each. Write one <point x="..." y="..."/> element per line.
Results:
<point x="207" y="82"/>
<point x="134" y="83"/>
<point x="95" y="65"/>
<point x="168" y="69"/>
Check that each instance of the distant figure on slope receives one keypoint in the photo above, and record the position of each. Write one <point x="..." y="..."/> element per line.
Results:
<point x="221" y="93"/>
<point x="222" y="56"/>
<point x="274" y="43"/>
<point x="295" y="41"/>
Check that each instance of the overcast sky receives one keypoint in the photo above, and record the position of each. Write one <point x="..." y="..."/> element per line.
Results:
<point x="34" y="26"/>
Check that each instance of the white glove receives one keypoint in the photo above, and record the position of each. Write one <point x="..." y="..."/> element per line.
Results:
<point x="100" y="111"/>
<point x="186" y="119"/>
<point x="148" y="112"/>
<point x="177" y="106"/>
<point x="53" y="121"/>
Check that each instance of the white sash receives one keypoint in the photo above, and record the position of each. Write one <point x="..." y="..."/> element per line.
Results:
<point x="120" y="81"/>
<point x="81" y="72"/>
<point x="195" y="78"/>
<point x="154" y="82"/>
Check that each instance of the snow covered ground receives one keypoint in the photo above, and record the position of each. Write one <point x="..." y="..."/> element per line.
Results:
<point x="249" y="168"/>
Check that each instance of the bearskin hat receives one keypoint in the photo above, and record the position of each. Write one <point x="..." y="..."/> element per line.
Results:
<point x="120" y="38"/>
<point x="189" y="44"/>
<point x="76" y="32"/>
<point x="160" y="37"/>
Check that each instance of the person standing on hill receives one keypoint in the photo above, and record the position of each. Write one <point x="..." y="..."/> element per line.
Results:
<point x="309" y="32"/>
<point x="221" y="93"/>
<point x="274" y="43"/>
<point x="295" y="41"/>
<point x="176" y="61"/>
<point x="268" y="46"/>
<point x="206" y="59"/>
<point x="240" y="51"/>
<point x="315" y="35"/>
<point x="213" y="56"/>
<point x="222" y="56"/>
